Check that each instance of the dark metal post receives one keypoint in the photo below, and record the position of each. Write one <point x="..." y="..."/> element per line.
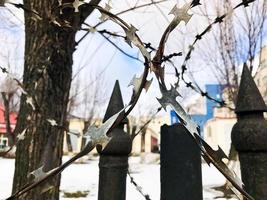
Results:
<point x="180" y="160"/>
<point x="249" y="137"/>
<point x="113" y="164"/>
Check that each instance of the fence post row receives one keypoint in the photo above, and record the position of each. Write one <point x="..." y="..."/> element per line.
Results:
<point x="113" y="164"/>
<point x="249" y="136"/>
<point x="180" y="161"/>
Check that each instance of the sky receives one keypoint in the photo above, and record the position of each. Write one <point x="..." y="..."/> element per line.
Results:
<point x="95" y="57"/>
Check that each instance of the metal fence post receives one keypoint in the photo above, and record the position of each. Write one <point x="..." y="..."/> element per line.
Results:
<point x="249" y="137"/>
<point x="113" y="164"/>
<point x="180" y="161"/>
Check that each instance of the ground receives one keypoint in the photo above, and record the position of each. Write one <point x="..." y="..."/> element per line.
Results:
<point x="81" y="179"/>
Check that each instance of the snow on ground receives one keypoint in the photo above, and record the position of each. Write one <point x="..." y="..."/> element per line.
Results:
<point x="6" y="175"/>
<point x="84" y="178"/>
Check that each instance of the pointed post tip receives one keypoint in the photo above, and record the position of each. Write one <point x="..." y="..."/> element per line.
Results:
<point x="115" y="103"/>
<point x="249" y="98"/>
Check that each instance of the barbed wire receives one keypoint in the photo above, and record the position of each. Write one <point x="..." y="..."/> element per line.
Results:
<point x="168" y="96"/>
<point x="125" y="11"/>
<point x="188" y="84"/>
<point x="138" y="187"/>
<point x="198" y="38"/>
<point x="166" y="58"/>
<point x="169" y="99"/>
<point x="146" y="123"/>
<point x="109" y="124"/>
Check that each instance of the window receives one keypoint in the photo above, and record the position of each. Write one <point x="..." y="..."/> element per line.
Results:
<point x="3" y="143"/>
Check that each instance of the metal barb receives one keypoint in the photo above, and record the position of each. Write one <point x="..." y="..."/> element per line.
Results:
<point x="137" y="187"/>
<point x="99" y="135"/>
<point x="210" y="155"/>
<point x="181" y="14"/>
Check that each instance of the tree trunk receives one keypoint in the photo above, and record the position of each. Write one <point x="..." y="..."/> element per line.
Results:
<point x="143" y="141"/>
<point x="69" y="145"/>
<point x="68" y="139"/>
<point x="85" y="128"/>
<point x="6" y="99"/>
<point x="47" y="79"/>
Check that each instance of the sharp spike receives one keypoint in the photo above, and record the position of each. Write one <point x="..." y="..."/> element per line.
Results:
<point x="249" y="98"/>
<point x="115" y="102"/>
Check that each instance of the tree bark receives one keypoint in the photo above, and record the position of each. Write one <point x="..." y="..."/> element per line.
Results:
<point x="86" y="126"/>
<point x="6" y="99"/>
<point x="47" y="79"/>
<point x="143" y="141"/>
<point x="68" y="139"/>
<point x="2" y="2"/>
<point x="69" y="145"/>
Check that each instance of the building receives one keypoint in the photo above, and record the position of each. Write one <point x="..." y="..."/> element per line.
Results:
<point x="217" y="130"/>
<point x="215" y="123"/>
<point x="148" y="140"/>
<point x="261" y="74"/>
<point x="3" y="131"/>
<point x="200" y="108"/>
<point x="76" y="126"/>
<point x="75" y="134"/>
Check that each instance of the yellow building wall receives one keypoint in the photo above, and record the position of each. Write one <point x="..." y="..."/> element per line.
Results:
<point x="153" y="130"/>
<point x="261" y="75"/>
<point x="77" y="126"/>
<point x="136" y="148"/>
<point x="218" y="132"/>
